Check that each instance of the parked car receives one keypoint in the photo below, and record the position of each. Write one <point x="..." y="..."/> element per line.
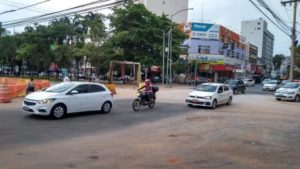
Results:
<point x="69" y="97"/>
<point x="236" y="85"/>
<point x="249" y="82"/>
<point x="271" y="85"/>
<point x="290" y="91"/>
<point x="210" y="95"/>
<point x="265" y="81"/>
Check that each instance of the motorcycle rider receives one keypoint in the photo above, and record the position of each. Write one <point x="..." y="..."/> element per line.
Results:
<point x="147" y="90"/>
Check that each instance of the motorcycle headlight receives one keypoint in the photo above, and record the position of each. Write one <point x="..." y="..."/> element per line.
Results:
<point x="45" y="101"/>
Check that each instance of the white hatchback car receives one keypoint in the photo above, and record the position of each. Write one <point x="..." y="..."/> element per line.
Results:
<point x="249" y="82"/>
<point x="290" y="91"/>
<point x="69" y="97"/>
<point x="271" y="85"/>
<point x="210" y="95"/>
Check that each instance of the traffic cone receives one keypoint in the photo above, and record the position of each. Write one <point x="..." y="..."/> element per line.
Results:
<point x="4" y="95"/>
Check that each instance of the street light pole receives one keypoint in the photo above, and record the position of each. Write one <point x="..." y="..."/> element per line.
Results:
<point x="170" y="41"/>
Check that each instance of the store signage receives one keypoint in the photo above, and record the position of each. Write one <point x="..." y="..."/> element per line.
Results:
<point x="208" y="59"/>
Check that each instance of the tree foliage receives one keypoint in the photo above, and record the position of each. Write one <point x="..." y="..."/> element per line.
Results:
<point x="135" y="35"/>
<point x="277" y="61"/>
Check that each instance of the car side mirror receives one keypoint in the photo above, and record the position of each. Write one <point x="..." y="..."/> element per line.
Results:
<point x="74" y="92"/>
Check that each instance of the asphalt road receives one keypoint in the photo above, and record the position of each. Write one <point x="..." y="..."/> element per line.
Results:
<point x="254" y="132"/>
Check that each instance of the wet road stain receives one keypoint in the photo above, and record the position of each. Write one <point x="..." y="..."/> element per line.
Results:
<point x="94" y="157"/>
<point x="71" y="165"/>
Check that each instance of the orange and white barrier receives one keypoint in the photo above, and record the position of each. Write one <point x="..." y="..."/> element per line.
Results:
<point x="16" y="87"/>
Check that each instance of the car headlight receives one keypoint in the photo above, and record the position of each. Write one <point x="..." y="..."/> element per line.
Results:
<point x="208" y="97"/>
<point x="290" y="92"/>
<point x="45" y="101"/>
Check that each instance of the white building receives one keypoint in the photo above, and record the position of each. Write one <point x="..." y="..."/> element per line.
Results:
<point x="168" y="7"/>
<point x="256" y="32"/>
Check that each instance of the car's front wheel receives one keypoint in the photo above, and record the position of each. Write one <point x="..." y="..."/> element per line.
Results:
<point x="106" y="107"/>
<point x="297" y="98"/>
<point x="214" y="104"/>
<point x="58" y="111"/>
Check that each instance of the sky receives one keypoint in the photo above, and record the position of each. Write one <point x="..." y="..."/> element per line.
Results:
<point x="229" y="13"/>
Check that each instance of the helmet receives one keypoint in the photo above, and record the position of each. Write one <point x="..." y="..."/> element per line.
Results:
<point x="147" y="81"/>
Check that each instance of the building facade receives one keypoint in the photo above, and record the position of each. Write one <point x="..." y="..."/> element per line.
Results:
<point x="168" y="7"/>
<point x="257" y="33"/>
<point x="219" y="52"/>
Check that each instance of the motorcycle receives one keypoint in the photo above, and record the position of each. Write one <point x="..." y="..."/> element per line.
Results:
<point x="141" y="100"/>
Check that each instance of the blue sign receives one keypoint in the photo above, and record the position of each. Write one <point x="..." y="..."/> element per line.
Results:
<point x="201" y="27"/>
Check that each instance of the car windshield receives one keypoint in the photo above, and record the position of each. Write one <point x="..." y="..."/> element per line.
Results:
<point x="291" y="85"/>
<point x="59" y="88"/>
<point x="206" y="88"/>
<point x="231" y="82"/>
<point x="272" y="82"/>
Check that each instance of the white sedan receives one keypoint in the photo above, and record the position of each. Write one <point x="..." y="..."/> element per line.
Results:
<point x="69" y="97"/>
<point x="290" y="91"/>
<point x="210" y="95"/>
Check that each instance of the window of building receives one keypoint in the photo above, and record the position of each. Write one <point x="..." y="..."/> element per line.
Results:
<point x="221" y="51"/>
<point x="237" y="55"/>
<point x="258" y="23"/>
<point x="228" y="53"/>
<point x="258" y="28"/>
<point x="203" y="49"/>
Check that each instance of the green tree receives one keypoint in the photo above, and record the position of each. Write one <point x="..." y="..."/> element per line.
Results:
<point x="137" y="35"/>
<point x="8" y="46"/>
<point x="277" y="61"/>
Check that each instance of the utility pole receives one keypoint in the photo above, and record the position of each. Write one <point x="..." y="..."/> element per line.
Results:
<point x="293" y="36"/>
<point x="163" y="61"/>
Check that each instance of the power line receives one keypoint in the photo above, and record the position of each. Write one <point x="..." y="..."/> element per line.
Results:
<point x="279" y="21"/>
<point x="28" y="6"/>
<point x="52" y="17"/>
<point x="52" y="13"/>
<point x="18" y="4"/>
<point x="284" y="31"/>
<point x="7" y="3"/>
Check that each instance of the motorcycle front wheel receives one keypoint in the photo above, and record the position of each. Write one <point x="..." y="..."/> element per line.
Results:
<point x="136" y="104"/>
<point x="151" y="103"/>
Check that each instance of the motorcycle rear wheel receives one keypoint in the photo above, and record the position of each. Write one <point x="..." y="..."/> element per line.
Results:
<point x="136" y="104"/>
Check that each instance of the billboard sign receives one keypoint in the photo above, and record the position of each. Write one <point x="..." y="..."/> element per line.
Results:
<point x="204" y="31"/>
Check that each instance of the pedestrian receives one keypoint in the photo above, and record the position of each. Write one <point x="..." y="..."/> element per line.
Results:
<point x="66" y="79"/>
<point x="31" y="86"/>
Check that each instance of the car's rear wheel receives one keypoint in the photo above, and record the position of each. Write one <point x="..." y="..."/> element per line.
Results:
<point x="297" y="98"/>
<point x="58" y="111"/>
<point x="229" y="101"/>
<point x="214" y="104"/>
<point x="190" y="105"/>
<point x="278" y="99"/>
<point x="106" y="107"/>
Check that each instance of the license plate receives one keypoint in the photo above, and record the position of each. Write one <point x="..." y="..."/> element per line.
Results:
<point x="26" y="108"/>
<point x="195" y="101"/>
